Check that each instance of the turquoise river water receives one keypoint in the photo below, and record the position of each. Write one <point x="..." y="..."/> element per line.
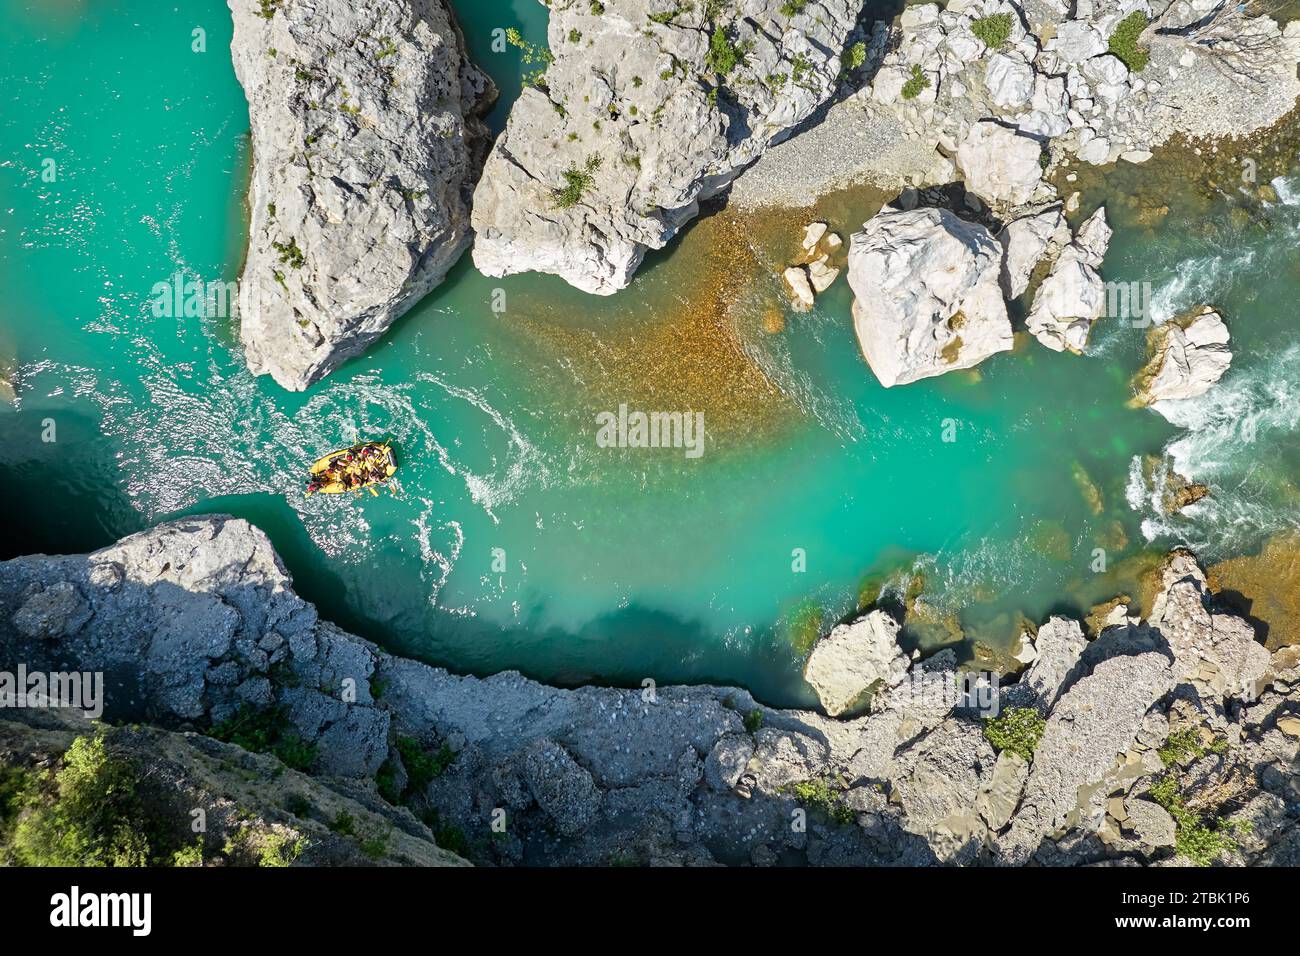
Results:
<point x="618" y="564"/>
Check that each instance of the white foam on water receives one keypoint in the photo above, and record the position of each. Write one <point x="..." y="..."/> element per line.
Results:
<point x="222" y="435"/>
<point x="1136" y="490"/>
<point x="1197" y="281"/>
<point x="1233" y="441"/>
<point x="1288" y="190"/>
<point x="444" y="561"/>
<point x="525" y="467"/>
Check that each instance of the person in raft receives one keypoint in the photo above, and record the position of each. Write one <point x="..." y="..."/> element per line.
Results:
<point x="354" y="469"/>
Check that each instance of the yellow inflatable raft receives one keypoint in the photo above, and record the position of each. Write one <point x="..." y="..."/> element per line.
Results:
<point x="359" y="466"/>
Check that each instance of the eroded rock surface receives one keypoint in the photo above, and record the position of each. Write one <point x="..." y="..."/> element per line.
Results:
<point x="366" y="144"/>
<point x="647" y="109"/>
<point x="1073" y="296"/>
<point x="196" y="620"/>
<point x="1054" y="80"/>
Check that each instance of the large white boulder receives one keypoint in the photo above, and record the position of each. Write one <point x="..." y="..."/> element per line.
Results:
<point x="854" y="660"/>
<point x="796" y="278"/>
<point x="927" y="294"/>
<point x="1073" y="296"/>
<point x="1189" y="355"/>
<point x="999" y="165"/>
<point x="1108" y="77"/>
<point x="1049" y="109"/>
<point x="1010" y="80"/>
<point x="1077" y="41"/>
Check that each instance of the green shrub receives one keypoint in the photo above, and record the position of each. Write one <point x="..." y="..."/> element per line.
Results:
<point x="386" y="782"/>
<point x="423" y="767"/>
<point x="532" y="54"/>
<point x="753" y="720"/>
<point x="917" y="82"/>
<point x="374" y="845"/>
<point x="1018" y="729"/>
<point x="576" y="183"/>
<point x="667" y="16"/>
<point x="298" y="805"/>
<point x="791" y="7"/>
<point x="191" y="855"/>
<point x="290" y="254"/>
<point x="279" y="849"/>
<point x="447" y="835"/>
<point x="263" y="846"/>
<point x="1123" y="41"/>
<point x="854" y="56"/>
<point x="1199" y="838"/>
<point x="724" y="54"/>
<point x="93" y="817"/>
<point x="16" y="786"/>
<point x="993" y="30"/>
<point x="103" y="809"/>
<point x="1183" y="745"/>
<point x="266" y="731"/>
<point x="818" y="796"/>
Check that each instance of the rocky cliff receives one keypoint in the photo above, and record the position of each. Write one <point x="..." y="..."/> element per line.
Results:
<point x="645" y="108"/>
<point x="1170" y="739"/>
<point x="215" y="802"/>
<point x="366" y="143"/>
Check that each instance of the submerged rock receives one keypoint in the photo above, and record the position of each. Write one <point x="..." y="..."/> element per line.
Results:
<point x="927" y="294"/>
<point x="1179" y="493"/>
<point x="1073" y="296"/>
<point x="366" y="138"/>
<point x="645" y="110"/>
<point x="854" y="660"/>
<point x="1189" y="355"/>
<point x="1272" y="579"/>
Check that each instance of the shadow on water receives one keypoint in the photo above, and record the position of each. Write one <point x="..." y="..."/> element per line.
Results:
<point x="62" y="495"/>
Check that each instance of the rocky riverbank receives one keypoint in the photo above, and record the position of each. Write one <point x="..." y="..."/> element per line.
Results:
<point x="1169" y="740"/>
<point x="367" y="141"/>
<point x="641" y="111"/>
<point x="1094" y="84"/>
